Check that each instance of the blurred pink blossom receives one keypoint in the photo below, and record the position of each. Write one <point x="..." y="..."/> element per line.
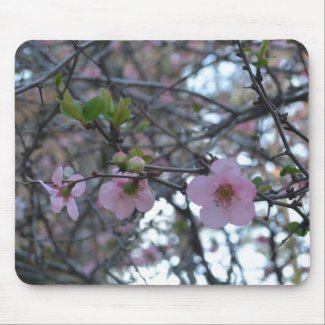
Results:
<point x="166" y="97"/>
<point x="89" y="267"/>
<point x="125" y="229"/>
<point x="213" y="248"/>
<point x="155" y="43"/>
<point x="129" y="71"/>
<point x="148" y="255"/>
<point x="225" y="196"/>
<point x="64" y="194"/>
<point x="70" y="139"/>
<point x="104" y="237"/>
<point x="46" y="162"/>
<point x="268" y="270"/>
<point x="115" y="197"/>
<point x="91" y="72"/>
<point x="263" y="239"/>
<point x="248" y="127"/>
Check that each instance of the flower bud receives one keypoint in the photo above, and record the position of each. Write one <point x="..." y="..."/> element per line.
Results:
<point x="135" y="164"/>
<point x="120" y="159"/>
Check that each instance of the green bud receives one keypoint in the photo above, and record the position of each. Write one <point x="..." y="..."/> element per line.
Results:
<point x="120" y="159"/>
<point x="135" y="164"/>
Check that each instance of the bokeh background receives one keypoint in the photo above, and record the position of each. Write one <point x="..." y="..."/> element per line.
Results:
<point x="199" y="92"/>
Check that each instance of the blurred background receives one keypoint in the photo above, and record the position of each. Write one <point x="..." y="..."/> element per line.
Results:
<point x="199" y="92"/>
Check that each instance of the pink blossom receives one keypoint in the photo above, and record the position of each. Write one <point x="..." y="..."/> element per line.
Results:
<point x="122" y="195"/>
<point x="64" y="194"/>
<point x="225" y="195"/>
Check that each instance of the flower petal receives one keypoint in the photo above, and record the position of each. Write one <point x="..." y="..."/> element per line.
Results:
<point x="49" y="189"/>
<point x="57" y="176"/>
<point x="57" y="203"/>
<point x="79" y="187"/>
<point x="245" y="188"/>
<point x="241" y="213"/>
<point x="200" y="190"/>
<point x="124" y="208"/>
<point x="72" y="209"/>
<point x="213" y="216"/>
<point x="109" y="195"/>
<point x="145" y="200"/>
<point x="223" y="166"/>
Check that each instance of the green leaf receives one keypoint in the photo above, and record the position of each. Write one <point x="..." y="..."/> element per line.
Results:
<point x="289" y="169"/>
<point x="180" y="225"/>
<point x="262" y="50"/>
<point x="142" y="125"/>
<point x="248" y="49"/>
<point x="258" y="181"/>
<point x="58" y="82"/>
<point x="109" y="105"/>
<point x="261" y="63"/>
<point x="260" y="186"/>
<point x="70" y="107"/>
<point x="130" y="188"/>
<point x="122" y="113"/>
<point x="148" y="159"/>
<point x="262" y="60"/>
<point x="136" y="152"/>
<point x="196" y="107"/>
<point x="297" y="277"/>
<point x="265" y="188"/>
<point x="93" y="108"/>
<point x="298" y="229"/>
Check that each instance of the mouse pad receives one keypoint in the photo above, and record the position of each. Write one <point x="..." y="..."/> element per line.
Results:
<point x="162" y="162"/>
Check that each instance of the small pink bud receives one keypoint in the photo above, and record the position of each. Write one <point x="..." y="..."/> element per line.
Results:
<point x="120" y="159"/>
<point x="135" y="164"/>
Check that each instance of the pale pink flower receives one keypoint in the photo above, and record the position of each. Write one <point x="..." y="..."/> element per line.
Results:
<point x="225" y="195"/>
<point x="64" y="194"/>
<point x="114" y="197"/>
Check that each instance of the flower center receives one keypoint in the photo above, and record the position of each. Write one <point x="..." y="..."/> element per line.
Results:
<point x="65" y="191"/>
<point x="130" y="188"/>
<point x="223" y="195"/>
